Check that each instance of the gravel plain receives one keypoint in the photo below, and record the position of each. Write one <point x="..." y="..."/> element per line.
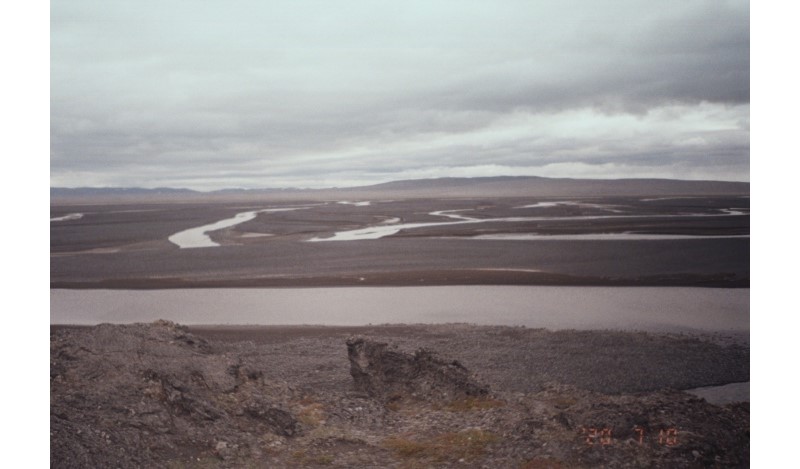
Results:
<point x="164" y="395"/>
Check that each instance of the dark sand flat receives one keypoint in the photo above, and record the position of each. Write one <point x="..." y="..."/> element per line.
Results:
<point x="127" y="246"/>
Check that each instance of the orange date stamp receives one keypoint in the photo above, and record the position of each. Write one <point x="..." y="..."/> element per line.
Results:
<point x="595" y="436"/>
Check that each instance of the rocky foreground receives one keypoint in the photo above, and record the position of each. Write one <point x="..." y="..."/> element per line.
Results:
<point x="161" y="396"/>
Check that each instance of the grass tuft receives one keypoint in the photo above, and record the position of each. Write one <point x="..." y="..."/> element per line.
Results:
<point x="312" y="415"/>
<point x="447" y="447"/>
<point x="473" y="403"/>
<point x="543" y="463"/>
<point x="305" y="459"/>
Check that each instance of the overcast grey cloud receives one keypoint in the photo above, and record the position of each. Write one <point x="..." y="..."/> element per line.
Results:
<point x="212" y="94"/>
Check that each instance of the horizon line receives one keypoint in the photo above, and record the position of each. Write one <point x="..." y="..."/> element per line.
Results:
<point x="296" y="188"/>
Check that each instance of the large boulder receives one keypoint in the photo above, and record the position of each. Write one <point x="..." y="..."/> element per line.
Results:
<point x="389" y="374"/>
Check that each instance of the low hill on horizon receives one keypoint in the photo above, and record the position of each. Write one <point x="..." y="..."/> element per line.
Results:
<point x="500" y="186"/>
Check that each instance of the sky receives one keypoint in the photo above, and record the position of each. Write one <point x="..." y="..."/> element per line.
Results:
<point x="219" y="94"/>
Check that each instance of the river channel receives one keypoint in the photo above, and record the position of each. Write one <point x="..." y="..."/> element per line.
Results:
<point x="657" y="309"/>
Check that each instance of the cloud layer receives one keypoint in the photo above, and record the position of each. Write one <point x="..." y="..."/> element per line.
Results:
<point x="262" y="94"/>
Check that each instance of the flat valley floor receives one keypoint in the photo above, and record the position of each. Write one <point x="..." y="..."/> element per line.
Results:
<point x="686" y="241"/>
<point x="165" y="395"/>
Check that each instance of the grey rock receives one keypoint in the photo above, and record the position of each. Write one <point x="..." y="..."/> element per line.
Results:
<point x="160" y="396"/>
<point x="280" y="421"/>
<point x="389" y="374"/>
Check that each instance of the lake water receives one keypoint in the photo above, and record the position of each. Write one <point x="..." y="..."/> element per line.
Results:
<point x="662" y="309"/>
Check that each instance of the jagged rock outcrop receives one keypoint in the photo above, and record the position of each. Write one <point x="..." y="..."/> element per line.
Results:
<point x="128" y="395"/>
<point x="389" y="374"/>
<point x="161" y="396"/>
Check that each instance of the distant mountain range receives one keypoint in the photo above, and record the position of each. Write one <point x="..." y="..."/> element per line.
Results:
<point x="540" y="186"/>
<point x="112" y="191"/>
<point x="503" y="186"/>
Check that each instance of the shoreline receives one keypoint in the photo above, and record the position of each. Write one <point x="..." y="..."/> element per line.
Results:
<point x="280" y="333"/>
<point x="450" y="277"/>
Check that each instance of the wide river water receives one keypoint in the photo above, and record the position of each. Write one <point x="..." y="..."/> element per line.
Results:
<point x="661" y="309"/>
